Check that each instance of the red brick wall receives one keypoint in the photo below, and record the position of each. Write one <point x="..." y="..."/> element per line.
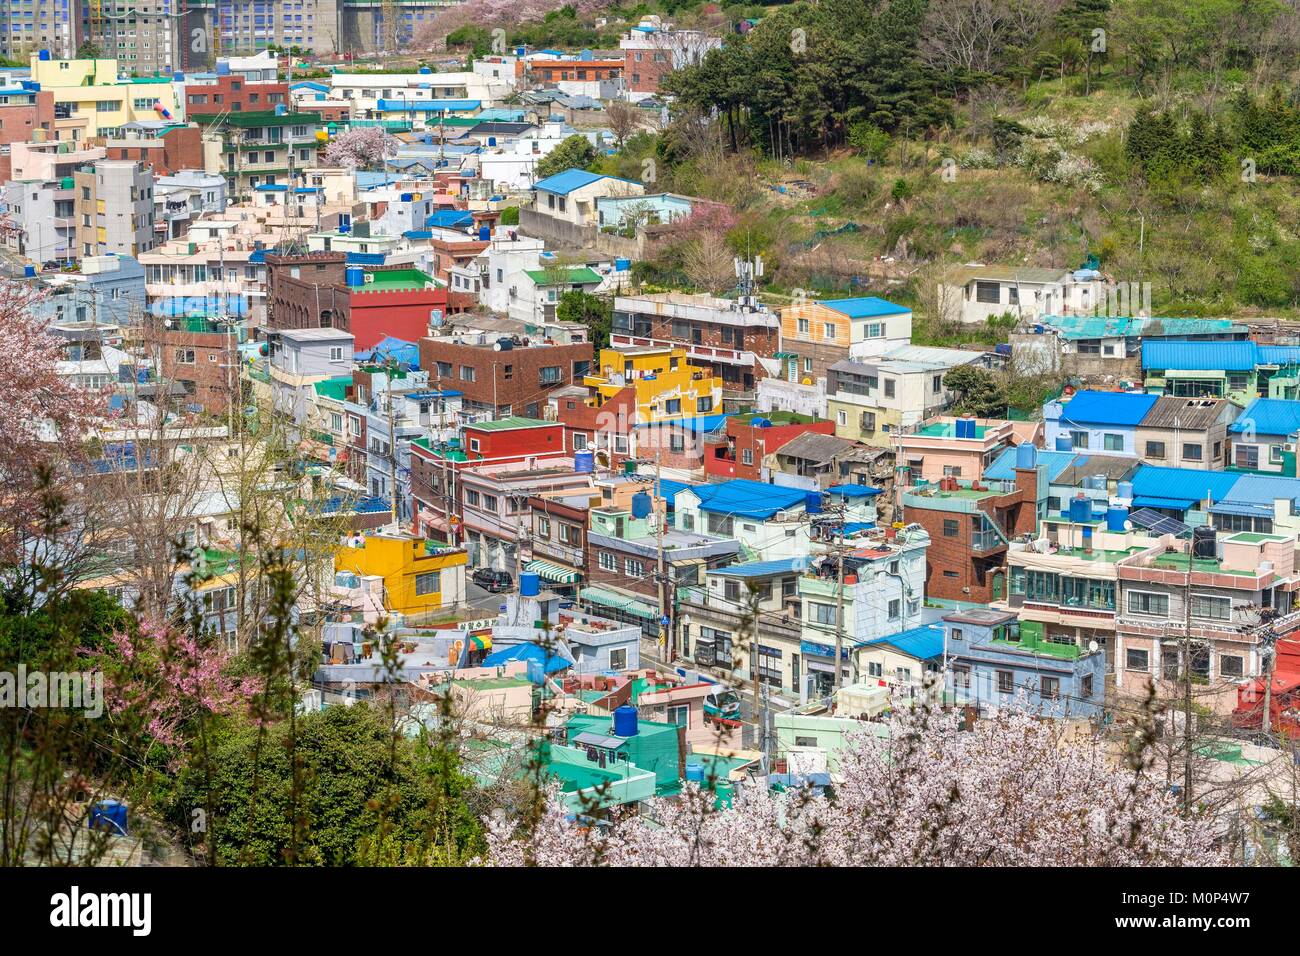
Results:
<point x="643" y="76"/>
<point x="760" y="442"/>
<point x="249" y="98"/>
<point x="18" y="122"/>
<point x="207" y="374"/>
<point x="521" y="389"/>
<point x="548" y="440"/>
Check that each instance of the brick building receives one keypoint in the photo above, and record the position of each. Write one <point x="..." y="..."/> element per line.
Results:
<point x="168" y="152"/>
<point x="198" y="356"/>
<point x="311" y="291"/>
<point x="970" y="525"/>
<point x="606" y="429"/>
<point x="718" y="334"/>
<point x="233" y="92"/>
<point x="513" y="381"/>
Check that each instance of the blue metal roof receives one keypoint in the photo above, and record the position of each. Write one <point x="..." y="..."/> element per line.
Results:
<point x="1098" y="327"/>
<point x="1268" y="416"/>
<point x="429" y="106"/>
<point x="1201" y="356"/>
<point x="566" y="182"/>
<point x="449" y="219"/>
<point x="923" y="643"/>
<point x="700" y="423"/>
<point x="1263" y="489"/>
<point x="763" y="569"/>
<point x="853" y="491"/>
<point x="1004" y="467"/>
<point x="669" y="488"/>
<point x="1279" y="355"/>
<point x="1107" y="408"/>
<point x="743" y="498"/>
<point x="365" y="258"/>
<point x="1184" y="484"/>
<point x="864" y="308"/>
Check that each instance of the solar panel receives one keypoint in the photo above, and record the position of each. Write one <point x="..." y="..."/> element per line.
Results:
<point x="1154" y="521"/>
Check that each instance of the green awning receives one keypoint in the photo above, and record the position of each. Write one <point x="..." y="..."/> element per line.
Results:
<point x="619" y="602"/>
<point x="553" y="572"/>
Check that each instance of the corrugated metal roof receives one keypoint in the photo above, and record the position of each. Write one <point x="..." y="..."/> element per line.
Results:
<point x="1107" y="408"/>
<point x="922" y="643"/>
<point x="1263" y="489"/>
<point x="1175" y="412"/>
<point x="747" y="499"/>
<point x="566" y="182"/>
<point x="763" y="569"/>
<point x="1268" y="416"/>
<point x="1114" y="467"/>
<point x="1004" y="467"/>
<point x="1100" y="327"/>
<point x="1279" y="354"/>
<point x="1183" y="483"/>
<point x="1201" y="356"/>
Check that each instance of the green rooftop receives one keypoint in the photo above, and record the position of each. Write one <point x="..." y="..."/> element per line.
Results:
<point x="578" y="275"/>
<point x="256" y="119"/>
<point x="1178" y="562"/>
<point x="396" y="280"/>
<point x="778" y="418"/>
<point x="335" y="388"/>
<point x="504" y="424"/>
<point x="453" y="454"/>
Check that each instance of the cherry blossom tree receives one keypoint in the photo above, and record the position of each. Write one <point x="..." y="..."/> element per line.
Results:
<point x="1010" y="791"/>
<point x="359" y="148"/>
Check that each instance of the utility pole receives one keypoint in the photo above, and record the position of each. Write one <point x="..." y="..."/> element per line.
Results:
<point x="389" y="367"/>
<point x="1187" y="678"/>
<point x="839" y="606"/>
<point x="1270" y="653"/>
<point x="664" y="632"/>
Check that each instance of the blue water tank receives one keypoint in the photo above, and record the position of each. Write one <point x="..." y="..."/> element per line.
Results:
<point x="29" y="271"/>
<point x="281" y="109"/>
<point x="622" y="265"/>
<point x="695" y="773"/>
<point x="1116" y="518"/>
<point x="355" y="276"/>
<point x="108" y="815"/>
<point x="178" y="77"/>
<point x="408" y="197"/>
<point x="640" y="505"/>
<point x="492" y="140"/>
<point x="1124" y="489"/>
<point x="44" y="55"/>
<point x="760" y="423"/>
<point x="484" y="233"/>
<point x="1063" y="443"/>
<point x="1026" y="456"/>
<point x="812" y="502"/>
<point x="425" y="71"/>
<point x="530" y="584"/>
<point x="584" y="462"/>
<point x="965" y="428"/>
<point x="223" y="69"/>
<point x="1080" y="509"/>
<point x="1087" y="538"/>
<point x="625" y="721"/>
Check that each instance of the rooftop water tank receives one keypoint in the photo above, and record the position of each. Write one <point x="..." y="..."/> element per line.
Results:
<point x="1124" y="489"/>
<point x="1203" y="545"/>
<point x="640" y="505"/>
<point x="407" y="197"/>
<point x="965" y="428"/>
<point x="695" y="773"/>
<point x="425" y="71"/>
<point x="584" y="462"/>
<point x="812" y="502"/>
<point x="1116" y="518"/>
<point x="530" y="585"/>
<point x="109" y="815"/>
<point x="44" y="55"/>
<point x="484" y="233"/>
<point x="1080" y="509"/>
<point x="1063" y="443"/>
<point x="503" y="345"/>
<point x="625" y="721"/>
<point x="355" y="276"/>
<point x="492" y="140"/>
<point x="1026" y="456"/>
<point x="622" y="265"/>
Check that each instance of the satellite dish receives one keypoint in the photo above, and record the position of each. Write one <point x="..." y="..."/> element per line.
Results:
<point x="1093" y="647"/>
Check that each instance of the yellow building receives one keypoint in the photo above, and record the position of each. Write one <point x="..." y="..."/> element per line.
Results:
<point x="418" y="575"/>
<point x="667" y="385"/>
<point x="91" y="100"/>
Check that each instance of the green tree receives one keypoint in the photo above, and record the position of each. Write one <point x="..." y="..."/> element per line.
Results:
<point x="576" y="152"/>
<point x="593" y="311"/>
<point x="510" y="216"/>
<point x="978" y="391"/>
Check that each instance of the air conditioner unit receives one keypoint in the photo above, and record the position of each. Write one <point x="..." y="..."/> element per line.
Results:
<point x="370" y="277"/>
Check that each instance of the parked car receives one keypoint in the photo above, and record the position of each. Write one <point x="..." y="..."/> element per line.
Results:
<point x="492" y="580"/>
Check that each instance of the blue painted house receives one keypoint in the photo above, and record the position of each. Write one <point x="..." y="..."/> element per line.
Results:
<point x="1260" y="436"/>
<point x="1103" y="422"/>
<point x="995" y="661"/>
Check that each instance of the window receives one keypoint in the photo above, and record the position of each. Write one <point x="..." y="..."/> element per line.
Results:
<point x="895" y="607"/>
<point x="1051" y="688"/>
<point x="677" y="443"/>
<point x="473" y="444"/>
<point x="889" y="388"/>
<point x="336" y="353"/>
<point x="633" y="568"/>
<point x="1111" y="442"/>
<point x="960" y="676"/>
<point x="936" y="384"/>
<point x="1247" y="456"/>
<point x="1006" y="682"/>
<point x="989" y="293"/>
<point x="828" y="331"/>
<point x="550" y="375"/>
<point x="874" y="669"/>
<point x="1230" y="665"/>
<point x="618" y="659"/>
<point x="1156" y="449"/>
<point x="1078" y="439"/>
<point x="489" y="502"/>
<point x="952" y="471"/>
<point x="672" y="406"/>
<point x="544" y="527"/>
<point x="467" y="373"/>
<point x="1191" y="452"/>
<point x="608" y="562"/>
<point x="1211" y="608"/>
<point x="704" y="404"/>
<point x="950" y="527"/>
<point x="805" y="741"/>
<point x="570" y="534"/>
<point x="1275" y="454"/>
<point x="746" y="456"/>
<point x="819" y="613"/>
<point x="1136" y="660"/>
<point x="1143" y="602"/>
<point x="428" y="583"/>
<point x="1085" y="686"/>
<point x="185" y="356"/>
<point x="803" y="325"/>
